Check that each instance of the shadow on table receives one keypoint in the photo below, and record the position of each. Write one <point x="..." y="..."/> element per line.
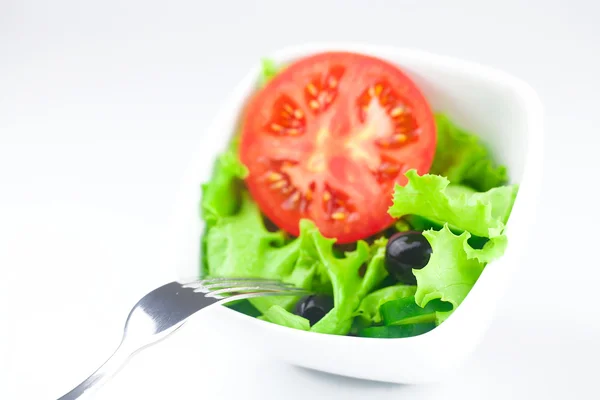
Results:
<point x="348" y="381"/>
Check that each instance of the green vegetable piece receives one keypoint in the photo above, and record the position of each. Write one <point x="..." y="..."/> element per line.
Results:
<point x="346" y="283"/>
<point x="221" y="195"/>
<point x="454" y="267"/>
<point x="280" y="316"/>
<point x="482" y="214"/>
<point x="463" y="158"/>
<point x="403" y="225"/>
<point x="269" y="70"/>
<point x="405" y="311"/>
<point x="375" y="271"/>
<point x="396" y="331"/>
<point x="369" y="309"/>
<point x="241" y="246"/>
<point x="349" y="288"/>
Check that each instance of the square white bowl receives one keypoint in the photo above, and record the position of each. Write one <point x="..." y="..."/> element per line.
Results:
<point x="504" y="111"/>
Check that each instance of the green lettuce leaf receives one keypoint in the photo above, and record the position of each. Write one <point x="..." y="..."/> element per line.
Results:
<point x="403" y="225"/>
<point x="348" y="284"/>
<point x="221" y="195"/>
<point x="442" y="316"/>
<point x="464" y="159"/>
<point x="269" y="70"/>
<point x="375" y="271"/>
<point x="454" y="267"/>
<point x="278" y="315"/>
<point x="241" y="246"/>
<point x="368" y="309"/>
<point x="428" y="196"/>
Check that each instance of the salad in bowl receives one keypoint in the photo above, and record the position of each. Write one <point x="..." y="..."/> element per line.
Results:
<point x="342" y="179"/>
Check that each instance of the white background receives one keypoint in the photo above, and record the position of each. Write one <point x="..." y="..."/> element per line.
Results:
<point x="102" y="106"/>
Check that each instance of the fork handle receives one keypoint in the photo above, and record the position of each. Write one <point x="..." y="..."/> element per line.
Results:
<point x="102" y="374"/>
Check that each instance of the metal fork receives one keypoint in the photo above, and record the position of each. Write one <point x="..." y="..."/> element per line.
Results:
<point x="165" y="309"/>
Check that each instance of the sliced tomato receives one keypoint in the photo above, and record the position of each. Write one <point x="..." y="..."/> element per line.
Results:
<point x="328" y="137"/>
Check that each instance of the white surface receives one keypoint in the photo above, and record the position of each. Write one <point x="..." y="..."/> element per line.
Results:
<point x="508" y="114"/>
<point x="101" y="108"/>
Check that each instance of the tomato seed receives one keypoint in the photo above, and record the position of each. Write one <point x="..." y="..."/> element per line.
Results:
<point x="275" y="176"/>
<point x="396" y="111"/>
<point x="332" y="82"/>
<point x="399" y="138"/>
<point x="338" y="215"/>
<point x="278" y="185"/>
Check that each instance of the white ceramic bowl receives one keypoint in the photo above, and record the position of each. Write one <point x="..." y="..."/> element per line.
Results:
<point x="504" y="111"/>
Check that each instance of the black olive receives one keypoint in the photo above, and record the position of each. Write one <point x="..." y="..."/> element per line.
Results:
<point x="314" y="307"/>
<point x="406" y="251"/>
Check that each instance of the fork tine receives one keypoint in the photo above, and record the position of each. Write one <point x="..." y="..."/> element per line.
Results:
<point x="235" y="283"/>
<point x="221" y="281"/>
<point x="243" y="296"/>
<point x="253" y="289"/>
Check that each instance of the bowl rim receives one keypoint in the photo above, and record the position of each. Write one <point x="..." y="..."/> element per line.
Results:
<point x="533" y="159"/>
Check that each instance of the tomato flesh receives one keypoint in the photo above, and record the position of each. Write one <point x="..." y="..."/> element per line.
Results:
<point x="329" y="137"/>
